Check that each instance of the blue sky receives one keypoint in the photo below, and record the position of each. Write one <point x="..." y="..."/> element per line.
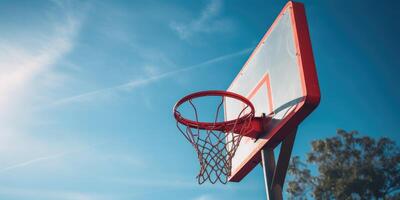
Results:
<point x="87" y="88"/>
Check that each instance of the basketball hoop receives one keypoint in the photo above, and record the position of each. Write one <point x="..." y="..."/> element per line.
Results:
<point x="216" y="142"/>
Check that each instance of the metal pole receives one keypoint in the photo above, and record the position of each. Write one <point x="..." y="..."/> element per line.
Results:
<point x="283" y="163"/>
<point x="274" y="175"/>
<point x="268" y="164"/>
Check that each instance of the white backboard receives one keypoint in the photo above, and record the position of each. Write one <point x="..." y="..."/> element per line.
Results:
<point x="279" y="77"/>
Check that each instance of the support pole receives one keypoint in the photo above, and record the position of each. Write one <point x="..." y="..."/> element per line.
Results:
<point x="268" y="164"/>
<point x="274" y="176"/>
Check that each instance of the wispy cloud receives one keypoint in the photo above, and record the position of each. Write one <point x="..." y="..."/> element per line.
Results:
<point x="131" y="159"/>
<point x="45" y="158"/>
<point x="29" y="162"/>
<point x="205" y="197"/>
<point x="209" y="21"/>
<point x="50" y="194"/>
<point x="22" y="62"/>
<point x="145" y="81"/>
<point x="25" y="60"/>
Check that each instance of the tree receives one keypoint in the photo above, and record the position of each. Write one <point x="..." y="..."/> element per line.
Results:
<point x="349" y="167"/>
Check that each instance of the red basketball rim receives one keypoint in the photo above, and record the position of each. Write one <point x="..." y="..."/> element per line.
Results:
<point x="220" y="126"/>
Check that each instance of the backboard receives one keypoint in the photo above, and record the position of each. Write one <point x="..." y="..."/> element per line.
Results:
<point x="280" y="78"/>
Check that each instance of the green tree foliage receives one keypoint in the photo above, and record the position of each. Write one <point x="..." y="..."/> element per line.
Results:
<point x="349" y="167"/>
